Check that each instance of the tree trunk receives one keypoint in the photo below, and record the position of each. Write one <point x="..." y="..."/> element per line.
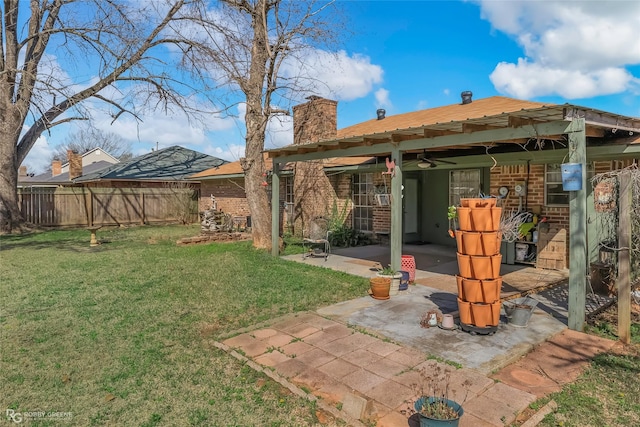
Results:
<point x="10" y="216"/>
<point x="256" y="119"/>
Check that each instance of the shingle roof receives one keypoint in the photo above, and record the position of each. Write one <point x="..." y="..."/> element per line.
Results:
<point x="169" y="164"/>
<point x="493" y="113"/>
<point x="63" y="178"/>
<point x="234" y="168"/>
<point x="447" y="113"/>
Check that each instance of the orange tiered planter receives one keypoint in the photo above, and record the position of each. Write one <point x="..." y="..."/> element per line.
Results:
<point x="479" y="259"/>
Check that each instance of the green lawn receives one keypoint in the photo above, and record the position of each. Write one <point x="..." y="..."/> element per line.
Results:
<point x="120" y="334"/>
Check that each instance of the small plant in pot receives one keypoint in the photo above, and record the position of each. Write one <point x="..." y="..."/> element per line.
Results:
<point x="452" y="215"/>
<point x="394" y="277"/>
<point x="435" y="405"/>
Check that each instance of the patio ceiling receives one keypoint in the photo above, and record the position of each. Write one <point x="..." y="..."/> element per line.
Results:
<point x="498" y="131"/>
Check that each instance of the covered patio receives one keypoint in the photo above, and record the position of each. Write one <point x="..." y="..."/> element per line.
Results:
<point x="480" y="134"/>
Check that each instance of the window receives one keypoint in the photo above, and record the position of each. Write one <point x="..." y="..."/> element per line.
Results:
<point x="463" y="184"/>
<point x="361" y="190"/>
<point x="288" y="199"/>
<point x="554" y="194"/>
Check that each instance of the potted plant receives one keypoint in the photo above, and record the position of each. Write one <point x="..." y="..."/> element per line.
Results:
<point x="435" y="405"/>
<point x="394" y="278"/>
<point x="452" y="215"/>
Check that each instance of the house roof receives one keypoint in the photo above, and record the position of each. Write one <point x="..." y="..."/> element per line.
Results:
<point x="169" y="164"/>
<point x="63" y="178"/>
<point x="234" y="169"/>
<point x="92" y="151"/>
<point x="445" y="114"/>
<point x="493" y="113"/>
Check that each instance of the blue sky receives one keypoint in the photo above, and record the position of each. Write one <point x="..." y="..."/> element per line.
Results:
<point x="409" y="55"/>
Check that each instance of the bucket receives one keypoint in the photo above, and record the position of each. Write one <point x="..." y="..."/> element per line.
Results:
<point x="522" y="251"/>
<point x="571" y="176"/>
<point x="519" y="310"/>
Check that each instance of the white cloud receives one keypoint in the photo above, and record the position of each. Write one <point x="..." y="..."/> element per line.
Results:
<point x="575" y="49"/>
<point x="382" y="98"/>
<point x="334" y="75"/>
<point x="279" y="132"/>
<point x="527" y="80"/>
<point x="39" y="158"/>
<point x="231" y="152"/>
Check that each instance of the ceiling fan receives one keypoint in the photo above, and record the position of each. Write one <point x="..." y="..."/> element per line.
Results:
<point x="426" y="161"/>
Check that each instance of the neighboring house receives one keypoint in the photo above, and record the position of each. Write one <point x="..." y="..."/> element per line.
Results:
<point x="226" y="184"/>
<point x="90" y="162"/>
<point x="96" y="155"/>
<point x="153" y="169"/>
<point x="144" y="189"/>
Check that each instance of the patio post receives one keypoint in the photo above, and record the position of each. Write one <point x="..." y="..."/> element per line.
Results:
<point x="275" y="209"/>
<point x="578" y="229"/>
<point x="396" y="210"/>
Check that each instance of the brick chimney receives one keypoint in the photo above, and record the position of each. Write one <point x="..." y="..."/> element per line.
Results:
<point x="22" y="171"/>
<point x="56" y="167"/>
<point x="313" y="121"/>
<point x="75" y="164"/>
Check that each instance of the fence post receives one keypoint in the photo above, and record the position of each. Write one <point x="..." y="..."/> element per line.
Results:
<point x="624" y="259"/>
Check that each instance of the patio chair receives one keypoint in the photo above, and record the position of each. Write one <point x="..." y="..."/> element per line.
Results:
<point x="316" y="243"/>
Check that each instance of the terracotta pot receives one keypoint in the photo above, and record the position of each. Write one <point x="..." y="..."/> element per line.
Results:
<point x="458" y="235"/>
<point x="464" y="219"/>
<point x="464" y="309"/>
<point x="490" y="242"/>
<point x="471" y="244"/>
<point x="485" y="218"/>
<point x="464" y="265"/>
<point x="496" y="214"/>
<point x="484" y="315"/>
<point x="380" y="287"/>
<point x="469" y="290"/>
<point x="478" y="202"/>
<point x="408" y="264"/>
<point x="484" y="267"/>
<point x="491" y="289"/>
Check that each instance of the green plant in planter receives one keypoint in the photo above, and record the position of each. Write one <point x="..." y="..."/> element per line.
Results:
<point x="387" y="271"/>
<point x="452" y="216"/>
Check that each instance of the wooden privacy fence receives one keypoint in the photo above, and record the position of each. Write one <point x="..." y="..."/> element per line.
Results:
<point x="82" y="206"/>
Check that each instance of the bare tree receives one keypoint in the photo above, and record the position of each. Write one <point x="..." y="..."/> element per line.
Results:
<point x="253" y="47"/>
<point x="128" y="52"/>
<point x="88" y="138"/>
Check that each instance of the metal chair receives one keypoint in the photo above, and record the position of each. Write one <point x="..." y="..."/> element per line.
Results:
<point x="316" y="244"/>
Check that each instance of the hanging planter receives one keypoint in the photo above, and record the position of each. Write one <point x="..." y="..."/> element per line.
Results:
<point x="469" y="289"/>
<point x="491" y="242"/>
<point x="474" y="290"/>
<point x="485" y="218"/>
<point x="471" y="243"/>
<point x="491" y="289"/>
<point x="464" y="265"/>
<point x="464" y="218"/>
<point x="485" y="267"/>
<point x="485" y="314"/>
<point x="464" y="310"/>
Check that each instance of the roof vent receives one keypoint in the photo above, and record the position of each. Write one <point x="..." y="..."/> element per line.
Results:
<point x="466" y="97"/>
<point x="381" y="113"/>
